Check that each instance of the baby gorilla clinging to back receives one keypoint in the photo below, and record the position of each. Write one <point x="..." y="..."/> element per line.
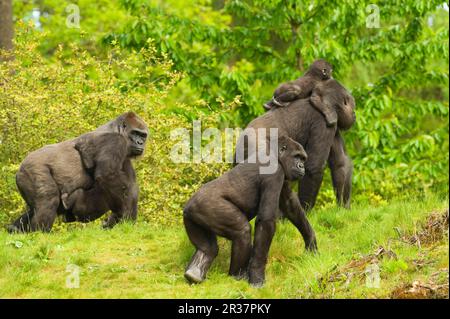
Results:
<point x="301" y="88"/>
<point x="225" y="206"/>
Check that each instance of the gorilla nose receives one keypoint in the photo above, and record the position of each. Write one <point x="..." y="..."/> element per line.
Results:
<point x="301" y="171"/>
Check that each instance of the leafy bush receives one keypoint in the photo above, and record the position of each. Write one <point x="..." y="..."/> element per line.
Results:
<point x="221" y="71"/>
<point x="397" y="71"/>
<point x="44" y="102"/>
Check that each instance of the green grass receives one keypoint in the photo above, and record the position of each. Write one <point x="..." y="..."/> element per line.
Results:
<point x="147" y="261"/>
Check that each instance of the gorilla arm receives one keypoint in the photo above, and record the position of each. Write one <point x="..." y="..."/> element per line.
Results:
<point x="291" y="207"/>
<point x="107" y="153"/>
<point x="318" y="150"/>
<point x="265" y="225"/>
<point x="321" y="101"/>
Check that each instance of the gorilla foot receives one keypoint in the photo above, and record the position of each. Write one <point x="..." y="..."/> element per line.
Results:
<point x="194" y="275"/>
<point x="331" y="121"/>
<point x="12" y="229"/>
<point x="257" y="284"/>
<point x="239" y="275"/>
<point x="111" y="221"/>
<point x="256" y="277"/>
<point x="267" y="106"/>
<point x="312" y="246"/>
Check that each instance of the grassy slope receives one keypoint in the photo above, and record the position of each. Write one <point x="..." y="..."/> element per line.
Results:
<point x="145" y="261"/>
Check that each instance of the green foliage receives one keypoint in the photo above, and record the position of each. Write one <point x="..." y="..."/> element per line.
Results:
<point x="176" y="61"/>
<point x="398" y="72"/>
<point x="44" y="102"/>
<point x="97" y="18"/>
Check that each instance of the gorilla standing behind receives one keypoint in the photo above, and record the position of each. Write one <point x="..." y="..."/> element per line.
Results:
<point x="92" y="173"/>
<point x="302" y="121"/>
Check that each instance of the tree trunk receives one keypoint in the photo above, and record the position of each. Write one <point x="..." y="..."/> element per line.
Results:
<point x="6" y="25"/>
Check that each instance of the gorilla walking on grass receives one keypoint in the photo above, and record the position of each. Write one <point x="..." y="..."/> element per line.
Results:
<point x="225" y="206"/>
<point x="83" y="178"/>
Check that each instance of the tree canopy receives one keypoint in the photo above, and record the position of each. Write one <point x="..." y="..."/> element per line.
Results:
<point x="220" y="60"/>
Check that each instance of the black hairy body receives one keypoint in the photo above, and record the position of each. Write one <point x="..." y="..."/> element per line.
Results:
<point x="92" y="173"/>
<point x="225" y="206"/>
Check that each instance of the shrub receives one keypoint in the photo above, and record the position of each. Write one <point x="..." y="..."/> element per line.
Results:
<point x="44" y="102"/>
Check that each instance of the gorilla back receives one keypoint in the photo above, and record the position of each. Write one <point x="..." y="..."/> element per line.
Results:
<point x="42" y="177"/>
<point x="61" y="168"/>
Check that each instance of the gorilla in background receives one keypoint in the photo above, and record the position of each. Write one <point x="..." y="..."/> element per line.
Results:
<point x="337" y="106"/>
<point x="83" y="178"/>
<point x="302" y="122"/>
<point x="303" y="87"/>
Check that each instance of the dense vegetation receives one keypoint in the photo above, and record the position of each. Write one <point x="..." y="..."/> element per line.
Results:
<point x="175" y="61"/>
<point x="218" y="61"/>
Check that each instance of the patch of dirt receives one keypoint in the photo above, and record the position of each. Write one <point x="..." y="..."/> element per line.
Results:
<point x="421" y="290"/>
<point x="433" y="230"/>
<point x="362" y="268"/>
<point x="356" y="269"/>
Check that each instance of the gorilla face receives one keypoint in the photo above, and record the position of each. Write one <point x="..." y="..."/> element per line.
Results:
<point x="321" y="69"/>
<point x="136" y="131"/>
<point x="138" y="138"/>
<point x="292" y="157"/>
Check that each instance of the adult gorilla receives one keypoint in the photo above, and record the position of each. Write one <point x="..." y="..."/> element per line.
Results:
<point x="306" y="125"/>
<point x="97" y="161"/>
<point x="301" y="121"/>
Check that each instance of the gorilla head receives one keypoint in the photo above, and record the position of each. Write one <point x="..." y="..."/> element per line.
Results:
<point x="292" y="157"/>
<point x="132" y="127"/>
<point x="321" y="69"/>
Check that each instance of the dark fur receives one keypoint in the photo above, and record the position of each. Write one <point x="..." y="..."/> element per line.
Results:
<point x="92" y="172"/>
<point x="303" y="123"/>
<point x="225" y="206"/>
<point x="302" y="87"/>
<point x="114" y="179"/>
<point x="335" y="102"/>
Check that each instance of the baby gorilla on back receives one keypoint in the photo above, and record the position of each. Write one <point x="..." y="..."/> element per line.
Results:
<point x="301" y="88"/>
<point x="225" y="206"/>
